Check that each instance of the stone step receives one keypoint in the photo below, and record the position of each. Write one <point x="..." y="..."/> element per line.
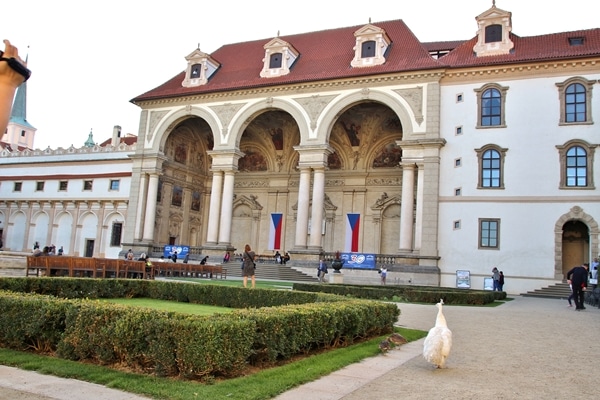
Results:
<point x="556" y="291"/>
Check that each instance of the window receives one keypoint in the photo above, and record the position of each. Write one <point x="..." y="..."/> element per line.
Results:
<point x="456" y="224"/>
<point x="458" y="162"/>
<point x="490" y="106"/>
<point x="114" y="184"/>
<point x="493" y="33"/>
<point x="575" y="41"/>
<point x="63" y="185"/>
<point x="489" y="233"/>
<point x="459" y="98"/>
<point x="457" y="191"/>
<point x="87" y="185"/>
<point x="575" y="103"/>
<point x="576" y="165"/>
<point x="18" y="186"/>
<point x="368" y="49"/>
<point x="575" y="96"/>
<point x="39" y="186"/>
<point x="458" y="130"/>
<point x="115" y="234"/>
<point x="195" y="71"/>
<point x="275" y="61"/>
<point x="23" y="133"/>
<point x="491" y="167"/>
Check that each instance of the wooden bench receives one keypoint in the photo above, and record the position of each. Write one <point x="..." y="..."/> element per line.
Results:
<point x="87" y="267"/>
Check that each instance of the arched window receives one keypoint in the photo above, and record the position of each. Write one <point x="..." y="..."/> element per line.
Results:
<point x="575" y="96"/>
<point x="493" y="33"/>
<point x="275" y="60"/>
<point x="368" y="49"/>
<point x="491" y="99"/>
<point x="576" y="161"/>
<point x="576" y="173"/>
<point x="575" y="103"/>
<point x="491" y="167"/>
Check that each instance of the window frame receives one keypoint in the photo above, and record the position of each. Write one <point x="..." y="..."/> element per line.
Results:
<point x="368" y="49"/>
<point x="562" y="95"/>
<point x="39" y="186"/>
<point x="60" y="186"/>
<point x="116" y="234"/>
<point x="480" y="161"/>
<point x="87" y="183"/>
<point x="110" y="185"/>
<point x="502" y="90"/>
<point x="480" y="236"/>
<point x="563" y="151"/>
<point x="18" y="186"/>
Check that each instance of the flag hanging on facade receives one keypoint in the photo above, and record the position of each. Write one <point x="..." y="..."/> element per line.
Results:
<point x="352" y="225"/>
<point x="275" y="231"/>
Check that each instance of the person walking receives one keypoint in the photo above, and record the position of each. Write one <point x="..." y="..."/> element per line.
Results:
<point x="322" y="270"/>
<point x="496" y="278"/>
<point x="577" y="277"/>
<point x="249" y="267"/>
<point x="383" y="273"/>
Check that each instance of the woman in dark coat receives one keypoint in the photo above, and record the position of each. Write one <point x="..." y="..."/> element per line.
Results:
<point x="249" y="267"/>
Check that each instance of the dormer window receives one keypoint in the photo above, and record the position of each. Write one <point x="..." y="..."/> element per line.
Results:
<point x="275" y="60"/>
<point x="576" y="41"/>
<point x="368" y="49"/>
<point x="371" y="45"/>
<point x="279" y="58"/>
<point x="493" y="33"/>
<point x="201" y="67"/>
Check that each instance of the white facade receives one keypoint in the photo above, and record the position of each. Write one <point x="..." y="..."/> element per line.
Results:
<point x="74" y="198"/>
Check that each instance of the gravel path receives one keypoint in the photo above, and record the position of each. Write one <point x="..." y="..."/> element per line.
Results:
<point x="528" y="348"/>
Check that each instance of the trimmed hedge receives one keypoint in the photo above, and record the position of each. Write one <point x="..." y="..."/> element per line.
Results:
<point x="78" y="327"/>
<point x="417" y="294"/>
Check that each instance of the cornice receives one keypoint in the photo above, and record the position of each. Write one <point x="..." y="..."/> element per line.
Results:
<point x="418" y="77"/>
<point x="531" y="70"/>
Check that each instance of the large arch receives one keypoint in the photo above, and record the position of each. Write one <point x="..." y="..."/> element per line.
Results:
<point x="170" y="122"/>
<point x="576" y="213"/>
<point x="245" y="116"/>
<point x="339" y="105"/>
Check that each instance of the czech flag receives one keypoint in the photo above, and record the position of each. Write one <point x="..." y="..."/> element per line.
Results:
<point x="352" y="226"/>
<point x="275" y="231"/>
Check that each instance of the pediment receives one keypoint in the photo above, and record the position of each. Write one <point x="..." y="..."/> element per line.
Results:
<point x="369" y="30"/>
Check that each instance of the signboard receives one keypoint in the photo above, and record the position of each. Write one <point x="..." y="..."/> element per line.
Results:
<point x="358" y="260"/>
<point x="488" y="284"/>
<point x="169" y="250"/>
<point x="463" y="279"/>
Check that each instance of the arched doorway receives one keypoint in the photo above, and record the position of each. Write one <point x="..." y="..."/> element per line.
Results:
<point x="575" y="245"/>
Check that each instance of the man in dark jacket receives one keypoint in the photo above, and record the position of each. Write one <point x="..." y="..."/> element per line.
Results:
<point x="577" y="277"/>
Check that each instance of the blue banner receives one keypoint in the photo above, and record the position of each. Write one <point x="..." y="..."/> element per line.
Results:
<point x="358" y="260"/>
<point x="169" y="250"/>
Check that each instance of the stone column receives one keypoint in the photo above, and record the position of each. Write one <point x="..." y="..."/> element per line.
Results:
<point x="215" y="208"/>
<point x="406" y="208"/>
<point x="150" y="214"/>
<point x="302" y="212"/>
<point x="318" y="196"/>
<point x="226" y="208"/>
<point x="141" y="206"/>
<point x="419" y="208"/>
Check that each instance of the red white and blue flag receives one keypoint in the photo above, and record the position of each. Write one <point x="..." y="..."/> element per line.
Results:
<point x="352" y="229"/>
<point x="275" y="231"/>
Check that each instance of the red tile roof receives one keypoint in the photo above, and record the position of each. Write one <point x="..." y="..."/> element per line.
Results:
<point x="128" y="140"/>
<point x="554" y="46"/>
<point x="326" y="55"/>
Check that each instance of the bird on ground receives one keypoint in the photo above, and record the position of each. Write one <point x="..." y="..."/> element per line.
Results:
<point x="397" y="339"/>
<point x="385" y="346"/>
<point x="438" y="342"/>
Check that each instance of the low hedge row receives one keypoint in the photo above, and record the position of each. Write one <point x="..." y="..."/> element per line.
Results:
<point x="416" y="294"/>
<point x="64" y="318"/>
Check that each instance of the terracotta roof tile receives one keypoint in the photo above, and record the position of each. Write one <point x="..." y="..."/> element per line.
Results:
<point x="326" y="55"/>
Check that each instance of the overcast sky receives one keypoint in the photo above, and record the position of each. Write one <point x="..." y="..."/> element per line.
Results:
<point x="89" y="59"/>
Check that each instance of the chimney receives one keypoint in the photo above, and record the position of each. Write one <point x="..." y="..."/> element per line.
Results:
<point x="116" y="137"/>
